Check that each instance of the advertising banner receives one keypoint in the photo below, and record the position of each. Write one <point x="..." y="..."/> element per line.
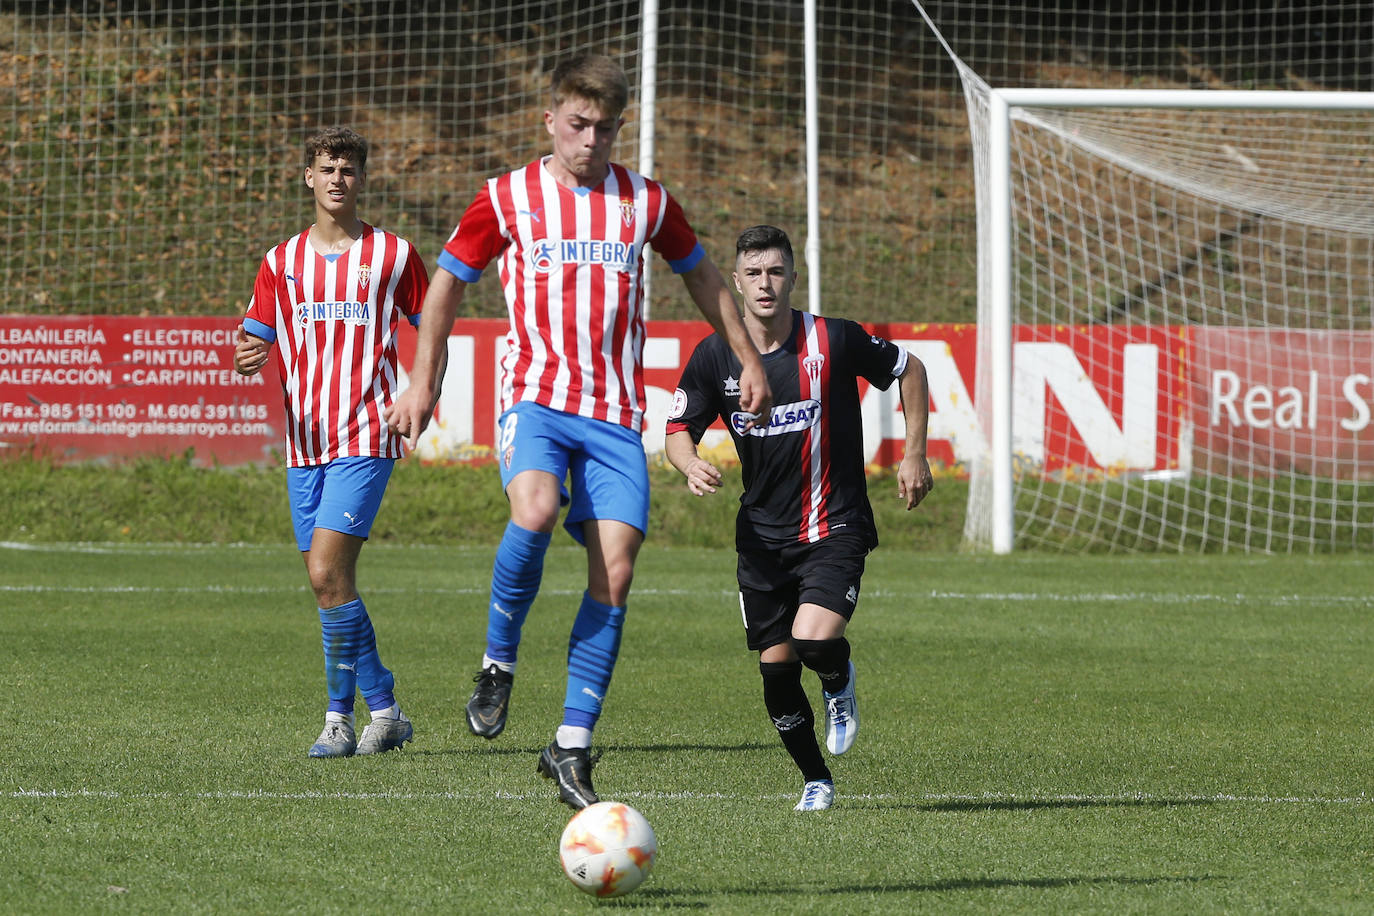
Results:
<point x="1283" y="401"/>
<point x="91" y="388"/>
<point x="1098" y="398"/>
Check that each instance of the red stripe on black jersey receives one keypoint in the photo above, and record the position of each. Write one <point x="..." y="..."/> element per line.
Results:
<point x="813" y="375"/>
<point x="803" y="472"/>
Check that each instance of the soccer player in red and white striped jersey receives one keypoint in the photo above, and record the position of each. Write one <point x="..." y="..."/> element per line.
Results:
<point x="568" y="233"/>
<point x="332" y="300"/>
<point x="335" y="319"/>
<point x="805" y="524"/>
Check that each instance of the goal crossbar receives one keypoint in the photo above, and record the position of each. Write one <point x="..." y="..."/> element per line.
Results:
<point x="1001" y="105"/>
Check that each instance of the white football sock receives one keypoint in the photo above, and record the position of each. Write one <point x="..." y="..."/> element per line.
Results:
<point x="573" y="736"/>
<point x="488" y="661"/>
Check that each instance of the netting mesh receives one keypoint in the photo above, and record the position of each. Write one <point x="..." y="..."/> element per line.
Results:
<point x="154" y="150"/>
<point x="1236" y="250"/>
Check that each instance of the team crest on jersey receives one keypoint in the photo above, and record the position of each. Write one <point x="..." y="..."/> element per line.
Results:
<point x="364" y="274"/>
<point x="627" y="212"/>
<point x="813" y="366"/>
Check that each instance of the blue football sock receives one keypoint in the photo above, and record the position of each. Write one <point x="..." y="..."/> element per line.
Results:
<point x="515" y="578"/>
<point x="375" y="680"/>
<point x="592" y="651"/>
<point x="338" y="627"/>
<point x="350" y="658"/>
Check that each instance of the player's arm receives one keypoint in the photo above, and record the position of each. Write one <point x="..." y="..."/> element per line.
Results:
<point x="702" y="476"/>
<point x="694" y="408"/>
<point x="416" y="283"/>
<point x="250" y="353"/>
<point x="707" y="288"/>
<point x="914" y="480"/>
<point x="412" y="410"/>
<point x="252" y="347"/>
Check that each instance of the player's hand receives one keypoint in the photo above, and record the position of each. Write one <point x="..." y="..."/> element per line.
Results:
<point x="408" y="415"/>
<point x="914" y="480"/>
<point x="755" y="397"/>
<point x="702" y="477"/>
<point x="250" y="353"/>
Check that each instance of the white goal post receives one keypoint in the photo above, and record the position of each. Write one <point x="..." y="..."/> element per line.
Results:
<point x="993" y="114"/>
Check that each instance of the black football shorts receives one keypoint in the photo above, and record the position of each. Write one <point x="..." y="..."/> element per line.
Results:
<point x="774" y="583"/>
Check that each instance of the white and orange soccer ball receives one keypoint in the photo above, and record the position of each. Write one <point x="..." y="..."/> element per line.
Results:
<point x="607" y="849"/>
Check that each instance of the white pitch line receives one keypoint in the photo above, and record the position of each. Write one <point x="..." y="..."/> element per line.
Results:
<point x="302" y="589"/>
<point x="1148" y="597"/>
<point x="175" y="548"/>
<point x="992" y="798"/>
<point x="1165" y="598"/>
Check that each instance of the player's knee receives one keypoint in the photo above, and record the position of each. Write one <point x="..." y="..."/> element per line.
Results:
<point x="332" y="587"/>
<point x="818" y="654"/>
<point x="534" y="515"/>
<point x="534" y="500"/>
<point x="609" y="581"/>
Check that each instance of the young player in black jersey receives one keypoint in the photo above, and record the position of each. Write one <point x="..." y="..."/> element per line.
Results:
<point x="805" y="524"/>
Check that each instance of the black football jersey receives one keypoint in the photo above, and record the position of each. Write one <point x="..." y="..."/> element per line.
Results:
<point x="804" y="469"/>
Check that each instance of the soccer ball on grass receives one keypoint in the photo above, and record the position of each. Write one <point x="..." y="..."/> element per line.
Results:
<point x="607" y="849"/>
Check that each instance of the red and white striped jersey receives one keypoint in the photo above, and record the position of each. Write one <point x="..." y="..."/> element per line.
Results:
<point x="335" y="320"/>
<point x="572" y="269"/>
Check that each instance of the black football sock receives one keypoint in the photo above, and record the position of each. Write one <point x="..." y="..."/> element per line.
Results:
<point x="829" y="658"/>
<point x="790" y="710"/>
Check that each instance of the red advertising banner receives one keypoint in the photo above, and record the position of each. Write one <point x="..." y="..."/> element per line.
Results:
<point x="1138" y="399"/>
<point x="90" y="388"/>
<point x="1098" y="397"/>
<point x="1283" y="401"/>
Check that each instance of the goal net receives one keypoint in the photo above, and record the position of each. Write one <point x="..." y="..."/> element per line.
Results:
<point x="154" y="148"/>
<point x="1175" y="341"/>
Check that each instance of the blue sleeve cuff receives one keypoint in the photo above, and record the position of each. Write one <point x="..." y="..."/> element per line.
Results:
<point x="258" y="329"/>
<point x="692" y="260"/>
<point x="459" y="269"/>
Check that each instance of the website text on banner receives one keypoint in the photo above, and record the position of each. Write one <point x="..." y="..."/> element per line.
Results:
<point x="1115" y="399"/>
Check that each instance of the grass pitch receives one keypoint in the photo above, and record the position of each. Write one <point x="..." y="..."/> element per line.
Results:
<point x="1039" y="734"/>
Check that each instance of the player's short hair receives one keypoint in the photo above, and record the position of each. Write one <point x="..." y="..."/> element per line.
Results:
<point x="595" y="78"/>
<point x="764" y="238"/>
<point x="337" y="143"/>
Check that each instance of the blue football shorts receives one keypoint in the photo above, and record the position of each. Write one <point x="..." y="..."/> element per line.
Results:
<point x="341" y="495"/>
<point x="603" y="462"/>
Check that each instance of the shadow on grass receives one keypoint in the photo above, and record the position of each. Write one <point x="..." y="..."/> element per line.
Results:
<point x="668" y="896"/>
<point x="474" y="749"/>
<point x="1031" y="804"/>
